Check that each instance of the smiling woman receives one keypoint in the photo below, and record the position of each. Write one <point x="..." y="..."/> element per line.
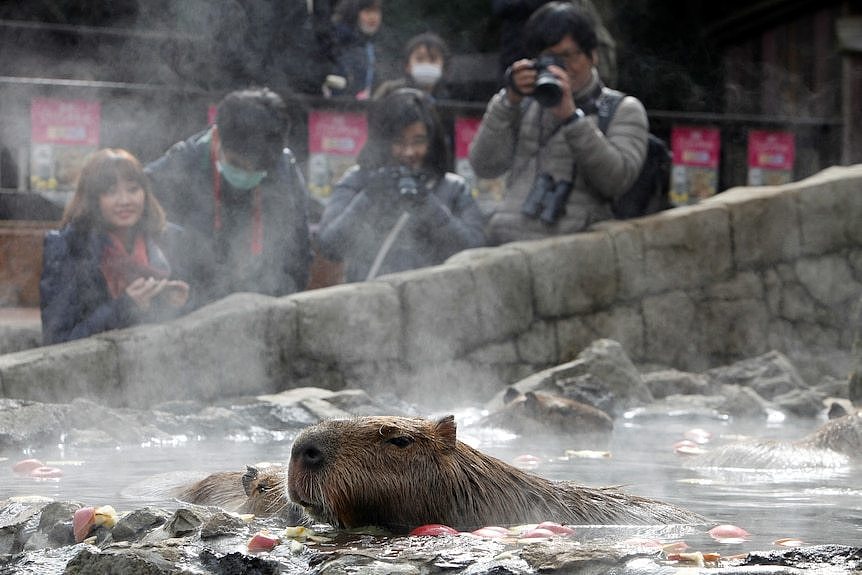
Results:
<point x="114" y="262"/>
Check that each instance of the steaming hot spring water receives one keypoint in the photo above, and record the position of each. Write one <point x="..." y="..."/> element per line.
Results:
<point x="775" y="507"/>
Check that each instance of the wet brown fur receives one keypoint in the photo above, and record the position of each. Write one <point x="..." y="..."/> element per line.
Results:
<point x="260" y="491"/>
<point x="399" y="473"/>
<point x="836" y="443"/>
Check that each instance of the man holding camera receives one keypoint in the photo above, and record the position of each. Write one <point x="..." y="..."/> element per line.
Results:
<point x="563" y="171"/>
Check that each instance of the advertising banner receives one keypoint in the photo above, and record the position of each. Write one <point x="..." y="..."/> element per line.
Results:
<point x="770" y="158"/>
<point x="62" y="133"/>
<point x="334" y="142"/>
<point x="696" y="156"/>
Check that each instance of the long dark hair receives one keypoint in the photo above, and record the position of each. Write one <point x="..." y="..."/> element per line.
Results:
<point x="101" y="172"/>
<point x="388" y="117"/>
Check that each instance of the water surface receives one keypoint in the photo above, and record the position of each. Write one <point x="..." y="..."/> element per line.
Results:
<point x="815" y="506"/>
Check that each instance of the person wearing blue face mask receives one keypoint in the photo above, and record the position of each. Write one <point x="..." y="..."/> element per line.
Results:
<point x="239" y="194"/>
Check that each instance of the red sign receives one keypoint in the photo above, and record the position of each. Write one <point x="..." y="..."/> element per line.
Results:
<point x="771" y="150"/>
<point x="71" y="122"/>
<point x="698" y="147"/>
<point x="336" y="133"/>
<point x="465" y="130"/>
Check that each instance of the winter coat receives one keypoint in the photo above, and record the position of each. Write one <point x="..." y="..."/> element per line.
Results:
<point x="352" y="49"/>
<point x="603" y="165"/>
<point x="74" y="296"/>
<point x="222" y="260"/>
<point x="355" y="225"/>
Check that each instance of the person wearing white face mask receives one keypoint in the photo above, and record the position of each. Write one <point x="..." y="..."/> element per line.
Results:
<point x="425" y="59"/>
<point x="237" y="190"/>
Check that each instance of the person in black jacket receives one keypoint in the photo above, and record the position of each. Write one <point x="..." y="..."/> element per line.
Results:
<point x="399" y="208"/>
<point x="238" y="193"/>
<point x="113" y="263"/>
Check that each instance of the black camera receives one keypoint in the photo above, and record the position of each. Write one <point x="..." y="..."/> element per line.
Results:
<point x="402" y="179"/>
<point x="547" y="91"/>
<point x="547" y="199"/>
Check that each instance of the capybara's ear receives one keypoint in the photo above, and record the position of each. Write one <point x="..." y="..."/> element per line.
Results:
<point x="247" y="477"/>
<point x="511" y="394"/>
<point x="445" y="429"/>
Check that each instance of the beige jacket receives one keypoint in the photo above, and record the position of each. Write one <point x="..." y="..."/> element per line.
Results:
<point x="604" y="166"/>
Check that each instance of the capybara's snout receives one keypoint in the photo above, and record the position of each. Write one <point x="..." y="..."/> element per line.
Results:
<point x="309" y="453"/>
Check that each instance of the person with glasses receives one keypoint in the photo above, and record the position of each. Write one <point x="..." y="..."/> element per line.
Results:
<point x="399" y="208"/>
<point x="240" y="196"/>
<point x="541" y="129"/>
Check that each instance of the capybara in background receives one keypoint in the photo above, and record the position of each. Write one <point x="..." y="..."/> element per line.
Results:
<point x="258" y="490"/>
<point x="836" y="443"/>
<point x="399" y="473"/>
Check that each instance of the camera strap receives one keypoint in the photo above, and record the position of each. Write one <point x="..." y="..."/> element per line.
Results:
<point x="387" y="245"/>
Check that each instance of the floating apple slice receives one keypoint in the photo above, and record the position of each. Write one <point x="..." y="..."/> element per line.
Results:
<point x="433" y="530"/>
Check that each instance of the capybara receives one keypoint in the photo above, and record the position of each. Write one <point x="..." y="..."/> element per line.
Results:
<point x="399" y="473"/>
<point x="260" y="491"/>
<point x="836" y="443"/>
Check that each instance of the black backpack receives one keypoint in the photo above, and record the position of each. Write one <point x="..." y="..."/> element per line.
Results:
<point x="649" y="193"/>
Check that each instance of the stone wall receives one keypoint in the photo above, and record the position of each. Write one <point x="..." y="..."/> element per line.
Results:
<point x="749" y="270"/>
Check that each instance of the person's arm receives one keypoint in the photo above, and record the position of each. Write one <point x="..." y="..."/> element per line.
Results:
<point x="345" y="213"/>
<point x="169" y="177"/>
<point x="610" y="163"/>
<point x="493" y="147"/>
<point x="452" y="219"/>
<point x="63" y="316"/>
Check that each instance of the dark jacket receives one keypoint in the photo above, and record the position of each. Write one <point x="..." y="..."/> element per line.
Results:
<point x="223" y="262"/>
<point x="355" y="224"/>
<point x="352" y="49"/>
<point x="74" y="294"/>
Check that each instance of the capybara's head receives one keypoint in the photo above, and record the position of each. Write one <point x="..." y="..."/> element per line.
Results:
<point x="393" y="472"/>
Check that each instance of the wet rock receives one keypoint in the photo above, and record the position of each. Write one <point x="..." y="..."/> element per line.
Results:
<point x="183" y="523"/>
<point x="770" y="375"/>
<point x="27" y="423"/>
<point x="813" y="557"/>
<point x="560" y="556"/>
<point x="602" y="376"/>
<point x="742" y="402"/>
<point x="19" y="518"/>
<point x="238" y="564"/>
<point x="134" y="525"/>
<point x="55" y="526"/>
<point x="222" y="524"/>
<point x="800" y="402"/>
<point x="541" y="413"/>
<point x="132" y="562"/>
<point x="667" y="382"/>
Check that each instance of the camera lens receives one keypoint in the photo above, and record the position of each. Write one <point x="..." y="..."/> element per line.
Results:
<point x="548" y="91"/>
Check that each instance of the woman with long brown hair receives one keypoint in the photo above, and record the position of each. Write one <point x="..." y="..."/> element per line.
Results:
<point x="114" y="261"/>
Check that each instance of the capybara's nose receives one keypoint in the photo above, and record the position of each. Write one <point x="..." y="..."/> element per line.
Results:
<point x="309" y="454"/>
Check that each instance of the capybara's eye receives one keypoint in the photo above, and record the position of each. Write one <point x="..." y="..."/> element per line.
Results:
<point x="401" y="441"/>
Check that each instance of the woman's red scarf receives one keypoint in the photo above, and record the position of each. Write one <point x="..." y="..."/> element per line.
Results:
<point x="121" y="268"/>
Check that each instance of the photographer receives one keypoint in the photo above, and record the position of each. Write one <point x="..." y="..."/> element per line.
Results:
<point x="563" y="172"/>
<point x="399" y="208"/>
